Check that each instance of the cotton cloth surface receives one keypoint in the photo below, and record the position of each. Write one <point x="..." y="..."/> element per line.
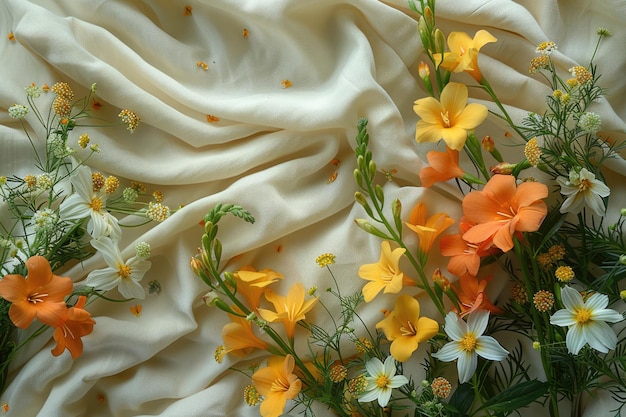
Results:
<point x="275" y="151"/>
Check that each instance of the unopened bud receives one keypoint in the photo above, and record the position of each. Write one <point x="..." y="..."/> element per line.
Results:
<point x="622" y="259"/>
<point x="369" y="228"/>
<point x="440" y="280"/>
<point x="503" y="168"/>
<point x="440" y="41"/>
<point x="196" y="265"/>
<point x="423" y="70"/>
<point x="210" y="298"/>
<point x="488" y="144"/>
<point x="429" y="16"/>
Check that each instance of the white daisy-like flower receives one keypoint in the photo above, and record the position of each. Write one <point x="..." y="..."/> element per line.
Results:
<point x="381" y="380"/>
<point x="582" y="189"/>
<point x="586" y="321"/>
<point x="85" y="202"/>
<point x="468" y="342"/>
<point x="123" y="275"/>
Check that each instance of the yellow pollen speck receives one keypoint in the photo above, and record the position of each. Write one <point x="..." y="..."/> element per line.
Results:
<point x="468" y="342"/>
<point x="583" y="316"/>
<point x="382" y="381"/>
<point x="286" y="83"/>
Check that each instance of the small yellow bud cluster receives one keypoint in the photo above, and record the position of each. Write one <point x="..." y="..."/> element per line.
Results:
<point x="325" y="259"/>
<point x="338" y="372"/>
<point x="158" y="196"/>
<point x="61" y="106"/>
<point x="84" y="140"/>
<point x="31" y="181"/>
<point x="532" y="152"/>
<point x="556" y="252"/>
<point x="130" y="118"/>
<point x="219" y="354"/>
<point x="581" y="74"/>
<point x="564" y="273"/>
<point x="158" y="211"/>
<point x="546" y="48"/>
<point x="364" y="345"/>
<point x="63" y="90"/>
<point x="356" y="386"/>
<point x="111" y="184"/>
<point x="251" y="396"/>
<point x="441" y="387"/>
<point x="543" y="300"/>
<point x="518" y="294"/>
<point x="538" y="63"/>
<point x="97" y="181"/>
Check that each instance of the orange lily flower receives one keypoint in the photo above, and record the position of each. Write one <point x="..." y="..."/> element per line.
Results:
<point x="464" y="256"/>
<point x="449" y="119"/>
<point x="78" y="324"/>
<point x="472" y="295"/>
<point x="290" y="309"/>
<point x="276" y="383"/>
<point x="427" y="229"/>
<point x="40" y="295"/>
<point x="251" y="283"/>
<point x="405" y="328"/>
<point x="239" y="338"/>
<point x="443" y="167"/>
<point x="463" y="55"/>
<point x="502" y="208"/>
<point x="385" y="274"/>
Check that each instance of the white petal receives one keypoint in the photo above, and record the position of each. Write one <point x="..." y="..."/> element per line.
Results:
<point x="597" y="302"/>
<point x="103" y="279"/>
<point x="455" y="327"/>
<point x="606" y="314"/>
<point x="109" y="250"/>
<point x="374" y="367"/>
<point x="489" y="348"/>
<point x="563" y="318"/>
<point x="449" y="352"/>
<point x="131" y="289"/>
<point x="389" y="367"/>
<point x="397" y="381"/>
<point x="572" y="300"/>
<point x="599" y="336"/>
<point x="369" y="396"/>
<point x="74" y="207"/>
<point x="466" y="366"/>
<point x="575" y="339"/>
<point x="600" y="188"/>
<point x="477" y="322"/>
<point x="384" y="395"/>
<point x="594" y="202"/>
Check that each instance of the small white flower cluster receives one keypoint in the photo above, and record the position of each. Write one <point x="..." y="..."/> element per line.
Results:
<point x="589" y="122"/>
<point x="18" y="111"/>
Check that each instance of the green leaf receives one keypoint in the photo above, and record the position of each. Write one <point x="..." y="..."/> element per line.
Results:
<point x="516" y="397"/>
<point x="462" y="399"/>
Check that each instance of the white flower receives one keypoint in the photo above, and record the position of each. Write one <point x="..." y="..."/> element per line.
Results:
<point x="468" y="342"/>
<point x="123" y="275"/>
<point x="45" y="219"/>
<point x="589" y="122"/>
<point x="586" y="321"/>
<point x="18" y="111"/>
<point x="583" y="189"/>
<point x="85" y="202"/>
<point x="381" y="380"/>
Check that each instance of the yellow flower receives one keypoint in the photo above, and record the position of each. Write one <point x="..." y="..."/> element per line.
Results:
<point x="405" y="328"/>
<point x="448" y="119"/>
<point x="463" y="55"/>
<point x="276" y="383"/>
<point x="239" y="338"/>
<point x="290" y="309"/>
<point x="427" y="230"/>
<point x="251" y="283"/>
<point x="385" y="274"/>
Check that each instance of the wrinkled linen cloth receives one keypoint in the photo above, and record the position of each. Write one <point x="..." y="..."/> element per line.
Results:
<point x="273" y="151"/>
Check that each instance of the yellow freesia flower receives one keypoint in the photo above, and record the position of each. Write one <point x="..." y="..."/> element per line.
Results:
<point x="405" y="329"/>
<point x="239" y="338"/>
<point x="449" y="119"/>
<point x="276" y="383"/>
<point x="251" y="283"/>
<point x="385" y="274"/>
<point x="290" y="309"/>
<point x="427" y="229"/>
<point x="463" y="55"/>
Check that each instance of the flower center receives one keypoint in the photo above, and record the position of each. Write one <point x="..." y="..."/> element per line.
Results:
<point x="382" y="381"/>
<point x="35" y="298"/>
<point x="446" y="118"/>
<point x="583" y="316"/>
<point x="462" y="51"/>
<point x="468" y="342"/>
<point x="123" y="271"/>
<point x="584" y="185"/>
<point x="96" y="204"/>
<point x="280" y="385"/>
<point x="408" y="329"/>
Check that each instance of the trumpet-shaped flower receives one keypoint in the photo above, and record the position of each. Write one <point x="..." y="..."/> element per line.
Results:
<point x="502" y="208"/>
<point x="427" y="229"/>
<point x="468" y="342"/>
<point x="405" y="328"/>
<point x="252" y="283"/>
<point x="85" y="202"/>
<point x="586" y="321"/>
<point x="472" y="295"/>
<point x="583" y="189"/>
<point x="40" y="295"/>
<point x="125" y="275"/>
<point x="78" y="324"/>
<point x="290" y="309"/>
<point x="463" y="55"/>
<point x="384" y="275"/>
<point x="381" y="380"/>
<point x="443" y="167"/>
<point x="276" y="383"/>
<point x="464" y="256"/>
<point x="449" y="119"/>
<point x="239" y="337"/>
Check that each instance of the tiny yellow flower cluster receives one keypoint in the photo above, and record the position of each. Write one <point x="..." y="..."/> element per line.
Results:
<point x="111" y="184"/>
<point x="158" y="212"/>
<point x="338" y="372"/>
<point x="357" y="385"/>
<point x="251" y="396"/>
<point x="62" y="102"/>
<point x="130" y="118"/>
<point x="31" y="181"/>
<point x="364" y="345"/>
<point x="532" y="152"/>
<point x="546" y="48"/>
<point x="543" y="300"/>
<point x="538" y="63"/>
<point x="219" y="354"/>
<point x="325" y="259"/>
<point x="518" y="294"/>
<point x="581" y="74"/>
<point x="441" y="387"/>
<point x="97" y="181"/>
<point x="564" y="273"/>
<point x="84" y="140"/>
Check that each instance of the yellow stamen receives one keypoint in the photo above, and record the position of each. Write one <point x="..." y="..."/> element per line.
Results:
<point x="583" y="316"/>
<point x="123" y="271"/>
<point x="445" y="117"/>
<point x="382" y="381"/>
<point x="468" y="342"/>
<point x="96" y="204"/>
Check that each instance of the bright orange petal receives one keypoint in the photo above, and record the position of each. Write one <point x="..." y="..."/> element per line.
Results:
<point x="13" y="288"/>
<point x="22" y="314"/>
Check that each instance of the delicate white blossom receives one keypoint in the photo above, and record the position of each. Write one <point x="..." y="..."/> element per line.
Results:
<point x="125" y="275"/>
<point x="18" y="111"/>
<point x="468" y="342"/>
<point x="582" y="189"/>
<point x="381" y="380"/>
<point x="586" y="321"/>
<point x="589" y="122"/>
<point x="45" y="219"/>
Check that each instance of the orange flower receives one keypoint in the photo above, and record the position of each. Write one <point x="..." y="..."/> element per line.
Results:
<point x="251" y="283"/>
<point x="472" y="295"/>
<point x="463" y="55"/>
<point x="78" y="324"/>
<point x="290" y="309"/>
<point x="239" y="337"/>
<point x="427" y="230"/>
<point x="385" y="274"/>
<point x="276" y="383"/>
<point x="502" y="208"/>
<point x="40" y="295"/>
<point x="465" y="256"/>
<point x="443" y="167"/>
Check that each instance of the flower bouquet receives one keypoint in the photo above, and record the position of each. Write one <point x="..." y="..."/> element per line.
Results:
<point x="58" y="217"/>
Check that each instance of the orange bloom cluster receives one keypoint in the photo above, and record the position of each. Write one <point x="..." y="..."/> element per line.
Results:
<point x="41" y="295"/>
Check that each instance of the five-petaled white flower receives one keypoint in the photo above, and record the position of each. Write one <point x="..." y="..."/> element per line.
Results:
<point x="123" y="275"/>
<point x="85" y="202"/>
<point x="586" y="321"/>
<point x="468" y="342"/>
<point x="381" y="379"/>
<point x="582" y="189"/>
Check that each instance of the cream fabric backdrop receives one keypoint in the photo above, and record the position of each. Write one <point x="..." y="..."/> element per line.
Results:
<point x="270" y="152"/>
